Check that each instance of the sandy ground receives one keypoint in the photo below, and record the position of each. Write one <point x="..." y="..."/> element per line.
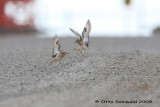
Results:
<point x="123" y="69"/>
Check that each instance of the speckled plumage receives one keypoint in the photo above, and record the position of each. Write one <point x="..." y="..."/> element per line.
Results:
<point x="57" y="53"/>
<point x="83" y="40"/>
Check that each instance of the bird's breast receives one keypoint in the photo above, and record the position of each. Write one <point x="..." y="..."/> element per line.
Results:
<point x="81" y="43"/>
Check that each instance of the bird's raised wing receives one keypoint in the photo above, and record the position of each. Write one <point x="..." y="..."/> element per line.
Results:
<point x="86" y="33"/>
<point x="56" y="46"/>
<point x="76" y="33"/>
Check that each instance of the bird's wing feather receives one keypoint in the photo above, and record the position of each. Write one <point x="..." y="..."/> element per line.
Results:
<point x="56" y="46"/>
<point x="88" y="26"/>
<point x="54" y="41"/>
<point x="86" y="32"/>
<point x="75" y="32"/>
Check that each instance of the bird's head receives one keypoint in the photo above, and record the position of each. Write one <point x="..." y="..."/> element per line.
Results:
<point x="77" y="41"/>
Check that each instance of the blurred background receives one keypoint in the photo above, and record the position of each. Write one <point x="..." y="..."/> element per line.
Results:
<point x="113" y="18"/>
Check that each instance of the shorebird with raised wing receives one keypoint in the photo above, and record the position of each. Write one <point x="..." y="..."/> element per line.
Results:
<point x="57" y="53"/>
<point x="83" y="40"/>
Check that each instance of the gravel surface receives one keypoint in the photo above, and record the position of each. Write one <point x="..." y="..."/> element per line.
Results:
<point x="112" y="70"/>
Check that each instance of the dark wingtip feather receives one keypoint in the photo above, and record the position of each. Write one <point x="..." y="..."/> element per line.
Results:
<point x="86" y="44"/>
<point x="53" y="56"/>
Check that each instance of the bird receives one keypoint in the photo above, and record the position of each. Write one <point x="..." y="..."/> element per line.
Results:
<point x="83" y="40"/>
<point x="57" y="53"/>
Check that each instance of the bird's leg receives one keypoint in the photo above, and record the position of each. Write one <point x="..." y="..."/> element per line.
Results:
<point x="51" y="63"/>
<point x="83" y="52"/>
<point x="76" y="49"/>
<point x="79" y="53"/>
<point x="61" y="63"/>
<point x="83" y="48"/>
